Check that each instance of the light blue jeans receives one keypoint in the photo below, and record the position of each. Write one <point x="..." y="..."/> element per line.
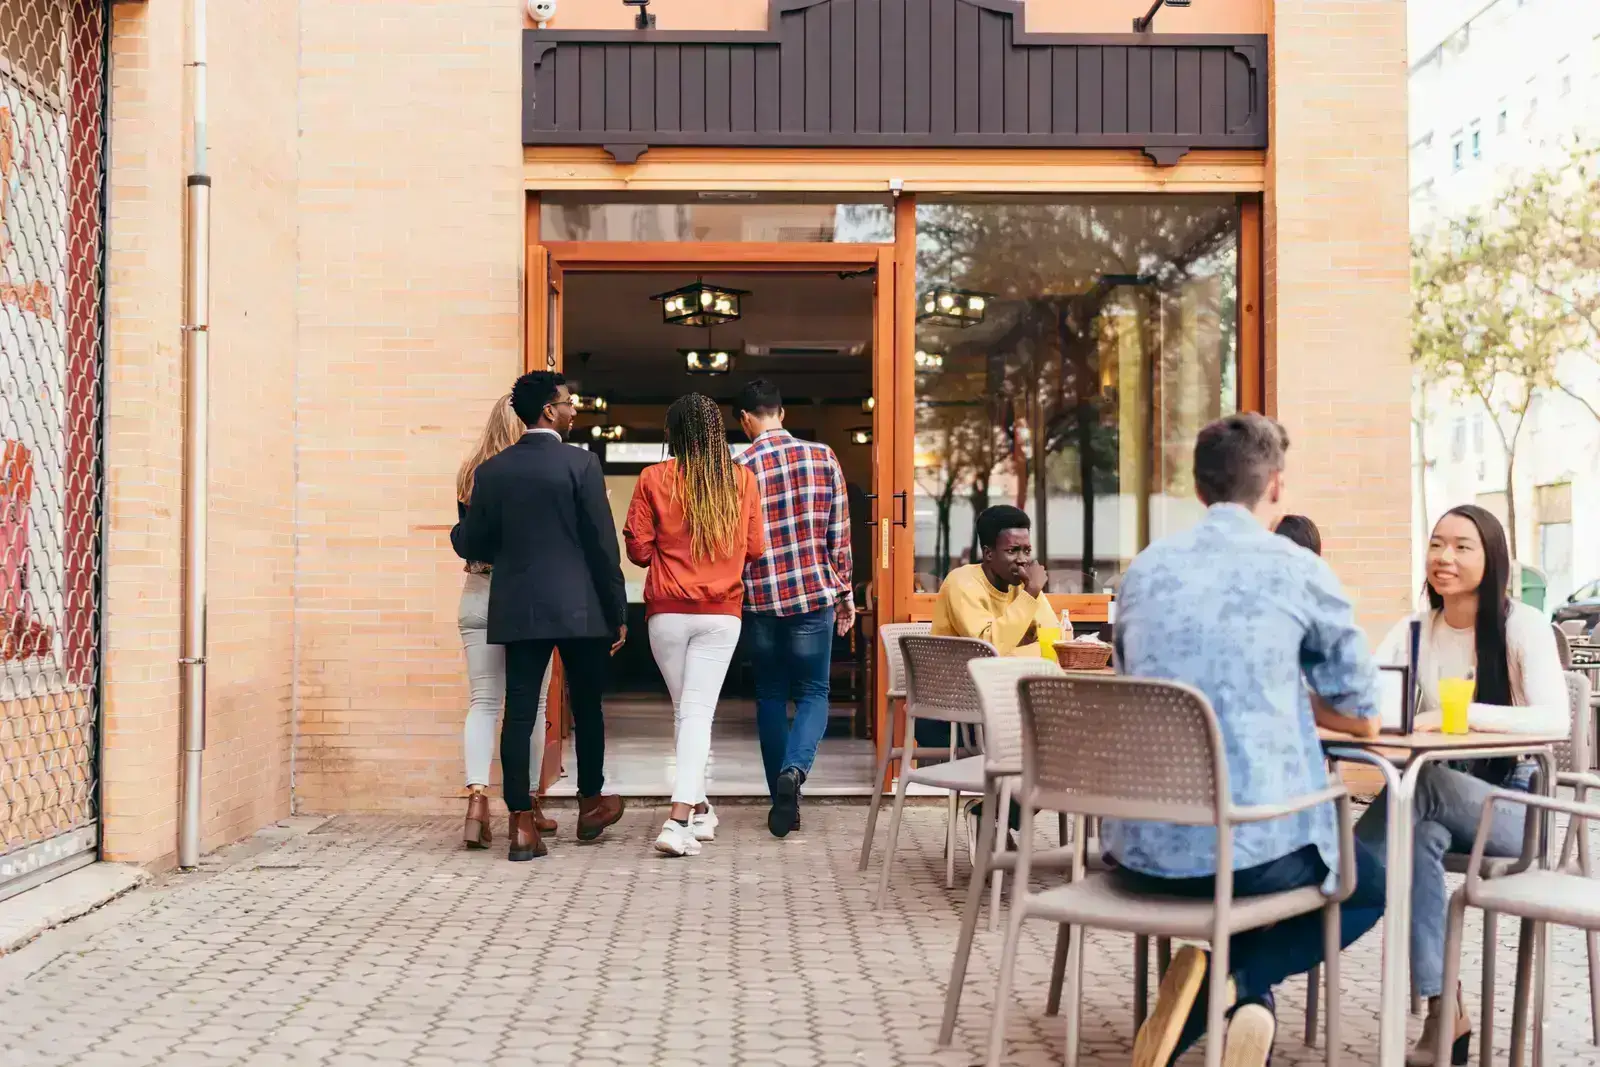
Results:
<point x="1448" y="804"/>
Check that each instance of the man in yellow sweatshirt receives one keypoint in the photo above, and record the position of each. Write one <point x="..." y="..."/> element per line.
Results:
<point x="1001" y="599"/>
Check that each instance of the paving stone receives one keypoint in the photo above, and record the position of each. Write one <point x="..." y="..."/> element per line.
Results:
<point x="388" y="946"/>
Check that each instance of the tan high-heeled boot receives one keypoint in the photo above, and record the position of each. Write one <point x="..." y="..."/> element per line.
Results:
<point x="1460" y="1043"/>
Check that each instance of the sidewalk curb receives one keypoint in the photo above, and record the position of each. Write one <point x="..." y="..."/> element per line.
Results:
<point x="27" y="915"/>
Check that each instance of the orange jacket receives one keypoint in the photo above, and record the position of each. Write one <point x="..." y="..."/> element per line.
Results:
<point x="657" y="537"/>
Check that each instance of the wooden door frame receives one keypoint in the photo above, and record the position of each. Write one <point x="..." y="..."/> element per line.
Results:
<point x="893" y="429"/>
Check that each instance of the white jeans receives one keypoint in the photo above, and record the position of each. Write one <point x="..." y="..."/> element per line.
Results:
<point x="486" y="678"/>
<point x="693" y="652"/>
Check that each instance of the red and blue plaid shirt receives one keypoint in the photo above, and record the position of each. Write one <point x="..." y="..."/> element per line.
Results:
<point x="807" y="565"/>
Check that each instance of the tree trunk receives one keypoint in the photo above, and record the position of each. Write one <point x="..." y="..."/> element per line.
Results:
<point x="1511" y="504"/>
<point x="1422" y="467"/>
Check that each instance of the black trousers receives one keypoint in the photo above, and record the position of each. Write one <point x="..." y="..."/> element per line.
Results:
<point x="585" y="661"/>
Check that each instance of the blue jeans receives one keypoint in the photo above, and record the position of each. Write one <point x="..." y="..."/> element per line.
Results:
<point x="1447" y="806"/>
<point x="791" y="655"/>
<point x="1260" y="959"/>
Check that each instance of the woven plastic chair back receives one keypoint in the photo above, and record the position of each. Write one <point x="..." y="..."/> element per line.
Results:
<point x="937" y="683"/>
<point x="996" y="681"/>
<point x="1122" y="748"/>
<point x="895" y="656"/>
<point x="1563" y="648"/>
<point x="1574" y="754"/>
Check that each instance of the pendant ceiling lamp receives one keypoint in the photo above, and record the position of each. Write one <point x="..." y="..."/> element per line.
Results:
<point x="947" y="306"/>
<point x="700" y="304"/>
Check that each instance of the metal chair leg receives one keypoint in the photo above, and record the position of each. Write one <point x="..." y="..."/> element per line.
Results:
<point x="889" y="753"/>
<point x="899" y="809"/>
<point x="1330" y="969"/>
<point x="1454" y="926"/>
<point x="982" y="863"/>
<point x="950" y="840"/>
<point x="1586" y="868"/>
<point x="1313" y="988"/>
<point x="1002" y="824"/>
<point x="1519" y="1000"/>
<point x="1486" y="1026"/>
<point x="1002" y="990"/>
<point x="1058" y="969"/>
<point x="1141" y="980"/>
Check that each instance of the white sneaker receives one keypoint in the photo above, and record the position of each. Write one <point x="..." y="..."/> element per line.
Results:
<point x="677" y="839"/>
<point x="704" y="826"/>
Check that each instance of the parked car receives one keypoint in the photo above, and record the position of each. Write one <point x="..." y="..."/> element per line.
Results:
<point x="1583" y="605"/>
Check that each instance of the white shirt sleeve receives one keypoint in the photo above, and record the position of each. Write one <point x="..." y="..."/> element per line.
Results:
<point x="1534" y="661"/>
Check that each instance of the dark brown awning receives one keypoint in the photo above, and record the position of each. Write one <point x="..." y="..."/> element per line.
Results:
<point x="894" y="73"/>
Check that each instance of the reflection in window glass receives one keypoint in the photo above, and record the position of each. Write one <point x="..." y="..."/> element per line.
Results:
<point x="1107" y="340"/>
<point x="575" y="218"/>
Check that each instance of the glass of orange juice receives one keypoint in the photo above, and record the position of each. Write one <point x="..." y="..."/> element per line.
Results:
<point x="1048" y="636"/>
<point x="1455" y="696"/>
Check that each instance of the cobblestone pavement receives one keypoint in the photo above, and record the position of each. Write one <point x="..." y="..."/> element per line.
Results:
<point x="378" y="941"/>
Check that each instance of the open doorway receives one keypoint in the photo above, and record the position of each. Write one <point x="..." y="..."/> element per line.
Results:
<point x="812" y="334"/>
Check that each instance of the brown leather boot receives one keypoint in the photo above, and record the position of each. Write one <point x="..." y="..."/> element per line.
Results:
<point x="526" y="844"/>
<point x="597" y="813"/>
<point x="546" y="824"/>
<point x="477" y="833"/>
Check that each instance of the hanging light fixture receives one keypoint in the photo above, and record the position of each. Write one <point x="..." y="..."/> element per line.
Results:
<point x="699" y="304"/>
<point x="861" y="435"/>
<point x="945" y="306"/>
<point x="589" y="404"/>
<point x="608" y="433"/>
<point x="706" y="360"/>
<point x="928" y="361"/>
<point x="869" y="405"/>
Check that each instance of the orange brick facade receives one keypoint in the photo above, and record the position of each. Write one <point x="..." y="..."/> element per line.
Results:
<point x="367" y="264"/>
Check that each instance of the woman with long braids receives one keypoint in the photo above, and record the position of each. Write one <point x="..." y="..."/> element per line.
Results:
<point x="486" y="663"/>
<point x="694" y="521"/>
<point x="1470" y="629"/>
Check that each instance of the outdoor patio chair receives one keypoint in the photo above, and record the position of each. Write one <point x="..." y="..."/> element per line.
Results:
<point x="895" y="683"/>
<point x="1140" y="749"/>
<point x="1533" y="892"/>
<point x="937" y="687"/>
<point x="1574" y="763"/>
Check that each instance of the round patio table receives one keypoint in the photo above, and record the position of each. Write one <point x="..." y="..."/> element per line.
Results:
<point x="1400" y="758"/>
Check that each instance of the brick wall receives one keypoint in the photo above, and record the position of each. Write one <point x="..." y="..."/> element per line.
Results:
<point x="410" y="212"/>
<point x="253" y="114"/>
<point x="358" y="345"/>
<point x="1337" y="285"/>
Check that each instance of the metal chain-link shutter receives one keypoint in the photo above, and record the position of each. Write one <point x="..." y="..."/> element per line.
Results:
<point x="52" y="109"/>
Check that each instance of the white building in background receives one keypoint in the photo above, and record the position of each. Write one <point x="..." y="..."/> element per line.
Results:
<point x="1499" y="87"/>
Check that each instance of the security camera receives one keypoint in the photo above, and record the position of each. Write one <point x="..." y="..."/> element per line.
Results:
<point x="541" y="10"/>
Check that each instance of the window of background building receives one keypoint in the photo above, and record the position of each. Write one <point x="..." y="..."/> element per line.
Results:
<point x="1553" y="513"/>
<point x="1109" y="339"/>
<point x="1501" y="120"/>
<point x="1458" y="440"/>
<point x="1455" y="155"/>
<point x="1477" y="142"/>
<point x="1564" y="71"/>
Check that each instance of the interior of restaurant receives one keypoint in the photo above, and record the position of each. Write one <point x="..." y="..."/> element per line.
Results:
<point x="810" y="333"/>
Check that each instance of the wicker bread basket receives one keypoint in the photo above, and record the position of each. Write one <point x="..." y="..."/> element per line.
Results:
<point x="1083" y="655"/>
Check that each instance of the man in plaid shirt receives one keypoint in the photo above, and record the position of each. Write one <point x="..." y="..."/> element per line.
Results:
<point x="796" y="597"/>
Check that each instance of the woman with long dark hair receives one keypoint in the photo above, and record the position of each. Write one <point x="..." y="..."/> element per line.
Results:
<point x="695" y="521"/>
<point x="1471" y="628"/>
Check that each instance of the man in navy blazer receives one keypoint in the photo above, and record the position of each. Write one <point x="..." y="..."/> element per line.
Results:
<point x="539" y="514"/>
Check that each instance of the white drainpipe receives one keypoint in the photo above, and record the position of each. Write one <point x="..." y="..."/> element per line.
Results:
<point x="196" y="338"/>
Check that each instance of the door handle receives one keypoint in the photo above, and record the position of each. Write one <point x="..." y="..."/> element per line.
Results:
<point x="903" y="499"/>
<point x="872" y="498"/>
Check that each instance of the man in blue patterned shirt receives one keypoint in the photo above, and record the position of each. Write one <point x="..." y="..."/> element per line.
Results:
<point x="1258" y="624"/>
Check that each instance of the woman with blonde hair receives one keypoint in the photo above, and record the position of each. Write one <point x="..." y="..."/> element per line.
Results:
<point x="486" y="663"/>
<point x="694" y="521"/>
